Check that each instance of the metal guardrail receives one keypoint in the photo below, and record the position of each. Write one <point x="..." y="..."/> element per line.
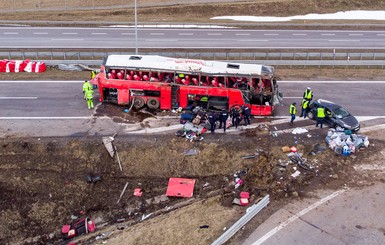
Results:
<point x="251" y="212"/>
<point x="199" y="55"/>
<point x="275" y="63"/>
<point x="275" y="59"/>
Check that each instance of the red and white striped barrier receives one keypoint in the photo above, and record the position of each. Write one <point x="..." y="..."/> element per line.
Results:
<point x="22" y="66"/>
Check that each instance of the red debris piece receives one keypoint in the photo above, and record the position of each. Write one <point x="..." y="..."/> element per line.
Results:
<point x="138" y="192"/>
<point x="293" y="149"/>
<point x="244" y="198"/>
<point x="179" y="187"/>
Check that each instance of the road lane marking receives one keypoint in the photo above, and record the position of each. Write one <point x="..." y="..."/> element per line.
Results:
<point x="214" y="34"/>
<point x="242" y="34"/>
<point x="356" y="34"/>
<point x="161" y="40"/>
<point x="156" y="34"/>
<point x="328" y="34"/>
<point x="99" y="33"/>
<point x="296" y="216"/>
<point x="347" y="40"/>
<point x="271" y="34"/>
<point x="69" y="33"/>
<point x="23" y="81"/>
<point x="126" y="33"/>
<point x="18" y="98"/>
<point x="67" y="39"/>
<point x="287" y="81"/>
<point x="299" y="34"/>
<point x="10" y="33"/>
<point x="185" y="34"/>
<point x="252" y="40"/>
<point x="40" y="33"/>
<point x="42" y="118"/>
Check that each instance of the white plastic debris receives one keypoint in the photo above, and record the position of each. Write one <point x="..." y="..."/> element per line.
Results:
<point x="296" y="174"/>
<point x="299" y="131"/>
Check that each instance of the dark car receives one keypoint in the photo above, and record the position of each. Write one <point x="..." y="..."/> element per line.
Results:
<point x="335" y="115"/>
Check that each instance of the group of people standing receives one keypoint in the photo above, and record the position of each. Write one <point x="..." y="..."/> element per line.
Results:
<point x="236" y="115"/>
<point x="306" y="99"/>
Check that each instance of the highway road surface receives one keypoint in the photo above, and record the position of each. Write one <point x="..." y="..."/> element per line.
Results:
<point x="41" y="107"/>
<point x="188" y="38"/>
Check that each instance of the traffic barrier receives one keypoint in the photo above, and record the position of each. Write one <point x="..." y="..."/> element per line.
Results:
<point x="22" y="66"/>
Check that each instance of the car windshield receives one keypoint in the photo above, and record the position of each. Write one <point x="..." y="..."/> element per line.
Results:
<point x="341" y="112"/>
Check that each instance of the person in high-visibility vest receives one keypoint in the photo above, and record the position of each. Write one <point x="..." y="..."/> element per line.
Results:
<point x="304" y="106"/>
<point x="308" y="94"/>
<point x="86" y="86"/>
<point x="320" y="116"/>
<point x="93" y="73"/>
<point x="292" y="111"/>
<point x="89" y="97"/>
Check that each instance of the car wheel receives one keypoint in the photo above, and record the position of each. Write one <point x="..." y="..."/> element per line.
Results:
<point x="310" y="115"/>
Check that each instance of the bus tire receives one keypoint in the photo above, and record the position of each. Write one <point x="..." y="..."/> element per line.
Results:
<point x="138" y="103"/>
<point x="153" y="103"/>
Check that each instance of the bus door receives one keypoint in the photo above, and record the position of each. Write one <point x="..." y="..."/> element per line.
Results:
<point x="123" y="96"/>
<point x="168" y="97"/>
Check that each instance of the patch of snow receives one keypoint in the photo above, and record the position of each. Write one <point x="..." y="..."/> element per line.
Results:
<point x="343" y="15"/>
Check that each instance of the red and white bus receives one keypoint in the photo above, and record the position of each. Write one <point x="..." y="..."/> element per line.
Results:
<point x="166" y="83"/>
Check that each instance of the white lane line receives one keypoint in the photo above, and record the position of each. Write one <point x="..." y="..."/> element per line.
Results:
<point x="271" y="34"/>
<point x="356" y="34"/>
<point x="69" y="33"/>
<point x="67" y="39"/>
<point x="99" y="33"/>
<point x="126" y="33"/>
<point x="253" y="40"/>
<point x="242" y="34"/>
<point x="10" y="33"/>
<point x="214" y="34"/>
<point x="161" y="40"/>
<point x="40" y="33"/>
<point x="18" y="98"/>
<point x="296" y="216"/>
<point x="299" y="34"/>
<point x="43" y="118"/>
<point x="378" y="82"/>
<point x="185" y="34"/>
<point x="328" y="34"/>
<point x="346" y="40"/>
<point x="21" y="81"/>
<point x="156" y="34"/>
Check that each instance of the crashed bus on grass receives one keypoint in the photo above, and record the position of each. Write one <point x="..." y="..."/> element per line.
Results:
<point x="166" y="83"/>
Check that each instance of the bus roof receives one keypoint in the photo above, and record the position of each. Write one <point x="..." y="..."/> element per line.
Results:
<point x="156" y="62"/>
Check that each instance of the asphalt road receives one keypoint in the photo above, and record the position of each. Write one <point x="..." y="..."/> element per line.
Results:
<point x="65" y="98"/>
<point x="70" y="37"/>
<point x="342" y="217"/>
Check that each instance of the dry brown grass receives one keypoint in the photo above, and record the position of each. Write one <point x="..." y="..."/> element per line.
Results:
<point x="191" y="11"/>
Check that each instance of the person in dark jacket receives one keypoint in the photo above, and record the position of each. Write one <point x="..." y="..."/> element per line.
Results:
<point x="235" y="117"/>
<point x="223" y="118"/>
<point x="212" y="122"/>
<point x="246" y="112"/>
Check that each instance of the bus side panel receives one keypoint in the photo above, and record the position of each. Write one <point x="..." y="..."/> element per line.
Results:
<point x="165" y="98"/>
<point x="123" y="96"/>
<point x="261" y="110"/>
<point x="235" y="98"/>
<point x="182" y="98"/>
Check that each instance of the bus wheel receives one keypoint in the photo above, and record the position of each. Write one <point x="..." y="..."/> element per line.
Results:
<point x="139" y="103"/>
<point x="153" y="103"/>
